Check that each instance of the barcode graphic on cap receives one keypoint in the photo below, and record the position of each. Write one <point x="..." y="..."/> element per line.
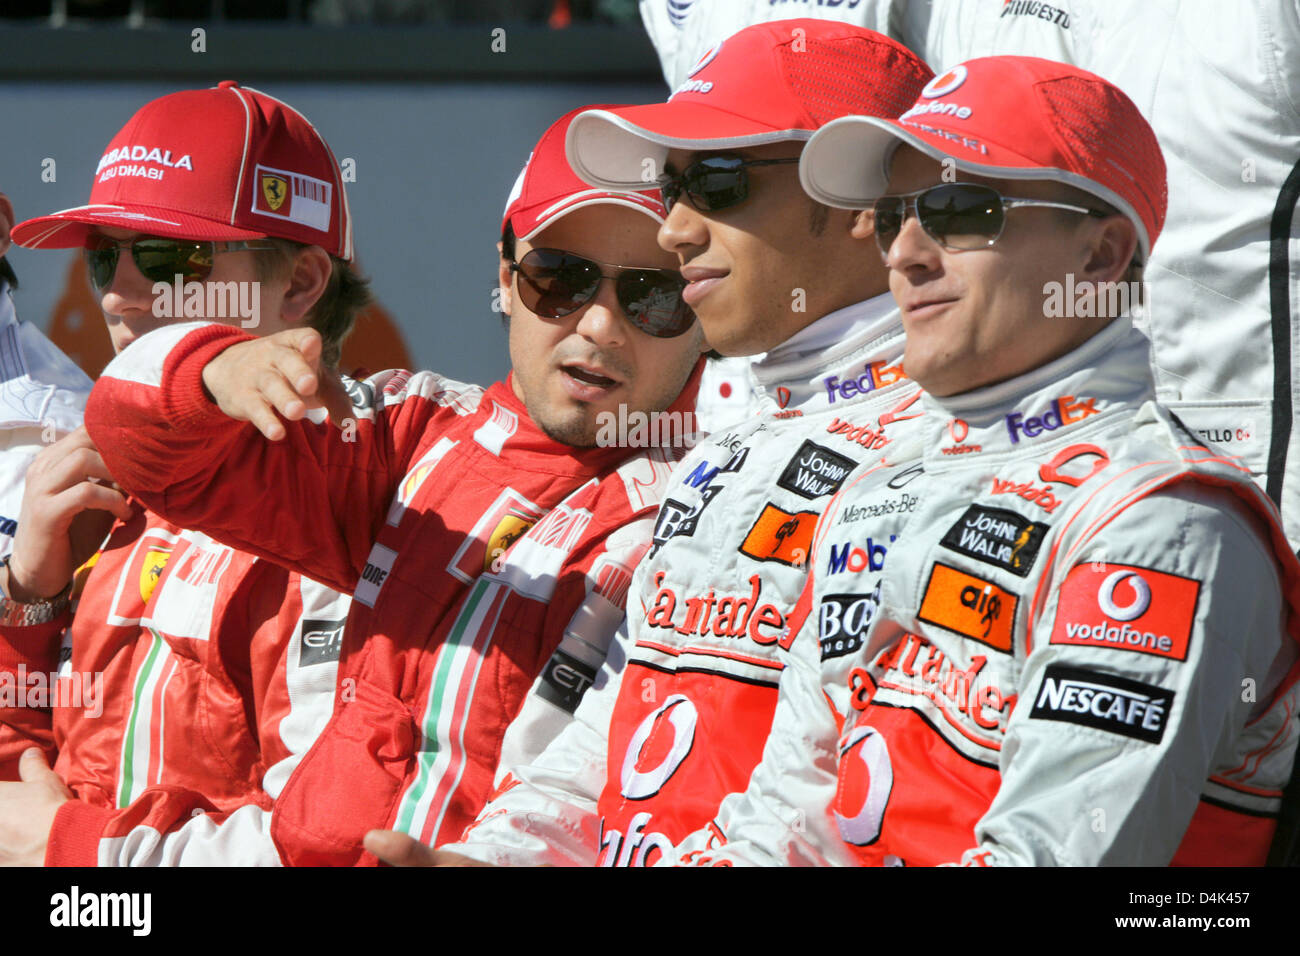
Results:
<point x="283" y="194"/>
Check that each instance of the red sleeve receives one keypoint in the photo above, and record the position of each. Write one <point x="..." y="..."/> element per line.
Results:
<point x="312" y="502"/>
<point x="25" y="714"/>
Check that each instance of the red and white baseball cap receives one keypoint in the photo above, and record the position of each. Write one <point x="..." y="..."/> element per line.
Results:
<point x="220" y="163"/>
<point x="769" y="83"/>
<point x="548" y="189"/>
<point x="1004" y="117"/>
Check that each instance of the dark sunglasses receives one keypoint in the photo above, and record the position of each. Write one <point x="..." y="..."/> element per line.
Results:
<point x="158" y="259"/>
<point x="958" y="216"/>
<point x="714" y="182"/>
<point x="554" y="283"/>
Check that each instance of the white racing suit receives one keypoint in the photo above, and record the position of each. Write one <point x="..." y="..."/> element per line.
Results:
<point x="1084" y="650"/>
<point x="677" y="718"/>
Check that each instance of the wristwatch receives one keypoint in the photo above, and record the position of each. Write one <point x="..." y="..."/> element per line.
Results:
<point x="16" y="614"/>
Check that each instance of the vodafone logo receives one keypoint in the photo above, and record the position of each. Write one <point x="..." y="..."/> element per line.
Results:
<point x="958" y="430"/>
<point x="866" y="780"/>
<point x="1134" y="609"/>
<point x="658" y="747"/>
<point x="706" y="59"/>
<point x="945" y="83"/>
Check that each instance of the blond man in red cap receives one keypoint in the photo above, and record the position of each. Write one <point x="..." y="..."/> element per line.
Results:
<point x="486" y="534"/>
<point x="1084" y="649"/>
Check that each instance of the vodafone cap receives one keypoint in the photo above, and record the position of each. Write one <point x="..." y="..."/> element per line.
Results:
<point x="548" y="189"/>
<point x="220" y="163"/>
<point x="769" y="83"/>
<point x="1005" y="117"/>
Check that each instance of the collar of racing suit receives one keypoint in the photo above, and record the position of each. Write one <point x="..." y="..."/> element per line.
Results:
<point x="844" y="354"/>
<point x="1110" y="370"/>
<point x="40" y="386"/>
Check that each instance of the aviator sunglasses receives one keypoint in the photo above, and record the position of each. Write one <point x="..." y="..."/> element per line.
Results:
<point x="958" y="216"/>
<point x="554" y="283"/>
<point x="158" y="259"/>
<point x="714" y="182"/>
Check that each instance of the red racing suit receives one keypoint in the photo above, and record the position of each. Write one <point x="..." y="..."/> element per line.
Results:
<point x="190" y="681"/>
<point x="678" y="718"/>
<point x="1083" y="652"/>
<point x="471" y="542"/>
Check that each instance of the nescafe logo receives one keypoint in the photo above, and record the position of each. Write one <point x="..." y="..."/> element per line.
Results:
<point x="866" y="780"/>
<point x="660" y="744"/>
<point x="945" y="83"/>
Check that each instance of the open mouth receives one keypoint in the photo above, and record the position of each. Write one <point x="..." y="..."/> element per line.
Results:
<point x="587" y="377"/>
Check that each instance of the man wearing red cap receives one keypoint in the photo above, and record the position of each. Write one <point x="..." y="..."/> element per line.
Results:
<point x="196" y="673"/>
<point x="680" y="720"/>
<point x="486" y="535"/>
<point x="1085" y="644"/>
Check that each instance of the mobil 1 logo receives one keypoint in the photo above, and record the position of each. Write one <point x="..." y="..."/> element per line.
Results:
<point x="997" y="536"/>
<point x="815" y="471"/>
<point x="842" y="621"/>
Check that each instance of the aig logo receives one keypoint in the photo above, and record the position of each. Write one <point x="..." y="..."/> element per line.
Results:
<point x="660" y="744"/>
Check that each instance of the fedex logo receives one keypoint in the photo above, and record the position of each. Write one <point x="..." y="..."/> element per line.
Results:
<point x="1063" y="411"/>
<point x="875" y="375"/>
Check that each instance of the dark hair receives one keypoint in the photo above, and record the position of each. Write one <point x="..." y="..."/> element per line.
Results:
<point x="508" y="242"/>
<point x="335" y="313"/>
<point x="7" y="273"/>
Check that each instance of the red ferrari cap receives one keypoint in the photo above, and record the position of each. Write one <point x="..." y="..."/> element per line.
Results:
<point x="1005" y="117"/>
<point x="769" y="83"/>
<point x="548" y="189"/>
<point x="220" y="163"/>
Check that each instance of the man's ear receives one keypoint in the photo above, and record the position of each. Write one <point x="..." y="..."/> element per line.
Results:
<point x="6" y="222"/>
<point x="308" y="278"/>
<point x="1111" y="244"/>
<point x="504" y="281"/>
<point x="863" y="224"/>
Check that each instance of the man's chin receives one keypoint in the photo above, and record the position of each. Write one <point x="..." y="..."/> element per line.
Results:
<point x="578" y="430"/>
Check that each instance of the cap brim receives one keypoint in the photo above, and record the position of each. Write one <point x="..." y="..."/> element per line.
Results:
<point x="620" y="149"/>
<point x="573" y="203"/>
<point x="69" y="228"/>
<point x="846" y="164"/>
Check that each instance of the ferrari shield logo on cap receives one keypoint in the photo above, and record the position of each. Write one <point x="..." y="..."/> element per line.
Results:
<point x="274" y="189"/>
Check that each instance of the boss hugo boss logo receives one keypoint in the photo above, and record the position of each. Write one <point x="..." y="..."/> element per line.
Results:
<point x="1103" y="701"/>
<point x="815" y="471"/>
<point x="998" y="537"/>
<point x="842" y="621"/>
